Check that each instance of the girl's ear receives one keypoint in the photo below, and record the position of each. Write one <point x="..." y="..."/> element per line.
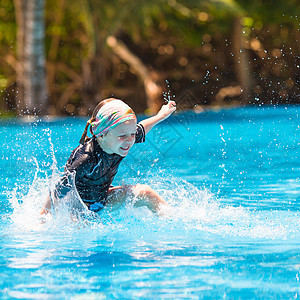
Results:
<point x="101" y="137"/>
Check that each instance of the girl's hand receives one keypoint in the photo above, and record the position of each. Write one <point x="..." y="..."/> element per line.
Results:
<point x="167" y="109"/>
<point x="165" y="112"/>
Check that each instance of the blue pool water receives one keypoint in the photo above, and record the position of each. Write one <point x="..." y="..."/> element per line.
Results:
<point x="232" y="232"/>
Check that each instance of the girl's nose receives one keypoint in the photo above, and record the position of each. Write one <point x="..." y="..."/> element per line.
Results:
<point x="129" y="138"/>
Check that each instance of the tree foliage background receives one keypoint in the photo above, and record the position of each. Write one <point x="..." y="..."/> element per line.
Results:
<point x="213" y="53"/>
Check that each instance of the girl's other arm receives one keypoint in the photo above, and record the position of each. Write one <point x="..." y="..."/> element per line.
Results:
<point x="165" y="111"/>
<point x="76" y="165"/>
<point x="46" y="207"/>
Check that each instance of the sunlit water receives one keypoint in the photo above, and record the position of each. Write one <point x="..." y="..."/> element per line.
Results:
<point x="233" y="229"/>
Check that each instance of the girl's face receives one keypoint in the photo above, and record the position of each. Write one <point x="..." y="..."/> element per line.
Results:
<point x="119" y="139"/>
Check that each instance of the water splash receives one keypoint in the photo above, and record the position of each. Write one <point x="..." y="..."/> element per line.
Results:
<point x="193" y="213"/>
<point x="168" y="96"/>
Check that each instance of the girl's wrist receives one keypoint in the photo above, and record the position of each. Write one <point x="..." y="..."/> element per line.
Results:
<point x="162" y="116"/>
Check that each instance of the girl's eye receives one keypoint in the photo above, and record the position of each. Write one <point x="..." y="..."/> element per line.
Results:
<point x="122" y="136"/>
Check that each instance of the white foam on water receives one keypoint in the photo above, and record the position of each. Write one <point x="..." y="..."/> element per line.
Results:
<point x="192" y="212"/>
<point x="197" y="210"/>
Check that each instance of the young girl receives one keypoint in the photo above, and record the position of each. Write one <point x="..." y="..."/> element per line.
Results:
<point x="94" y="163"/>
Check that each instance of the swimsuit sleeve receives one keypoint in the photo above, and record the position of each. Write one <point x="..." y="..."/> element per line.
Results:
<point x="140" y="134"/>
<point x="76" y="166"/>
<point x="63" y="187"/>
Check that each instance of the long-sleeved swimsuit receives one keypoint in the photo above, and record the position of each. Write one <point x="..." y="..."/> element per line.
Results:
<point x="94" y="171"/>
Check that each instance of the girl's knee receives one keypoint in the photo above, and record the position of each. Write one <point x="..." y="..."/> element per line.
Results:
<point x="148" y="197"/>
<point x="143" y="190"/>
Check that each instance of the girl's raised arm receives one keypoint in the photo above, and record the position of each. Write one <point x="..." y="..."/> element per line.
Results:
<point x="165" y="111"/>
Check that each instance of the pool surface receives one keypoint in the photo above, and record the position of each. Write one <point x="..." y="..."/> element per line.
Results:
<point x="232" y="230"/>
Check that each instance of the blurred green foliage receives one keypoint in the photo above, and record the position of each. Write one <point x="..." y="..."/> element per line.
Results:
<point x="187" y="42"/>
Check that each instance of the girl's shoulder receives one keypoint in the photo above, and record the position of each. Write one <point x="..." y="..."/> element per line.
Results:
<point x="86" y="151"/>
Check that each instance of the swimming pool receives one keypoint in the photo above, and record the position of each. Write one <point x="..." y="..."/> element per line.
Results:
<point x="231" y="177"/>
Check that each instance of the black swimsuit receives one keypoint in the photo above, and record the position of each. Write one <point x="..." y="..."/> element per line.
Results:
<point x="94" y="171"/>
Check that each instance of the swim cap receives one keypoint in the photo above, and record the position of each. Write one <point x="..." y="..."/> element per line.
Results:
<point x="111" y="115"/>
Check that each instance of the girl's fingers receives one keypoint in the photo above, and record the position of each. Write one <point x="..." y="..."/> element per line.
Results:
<point x="173" y="106"/>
